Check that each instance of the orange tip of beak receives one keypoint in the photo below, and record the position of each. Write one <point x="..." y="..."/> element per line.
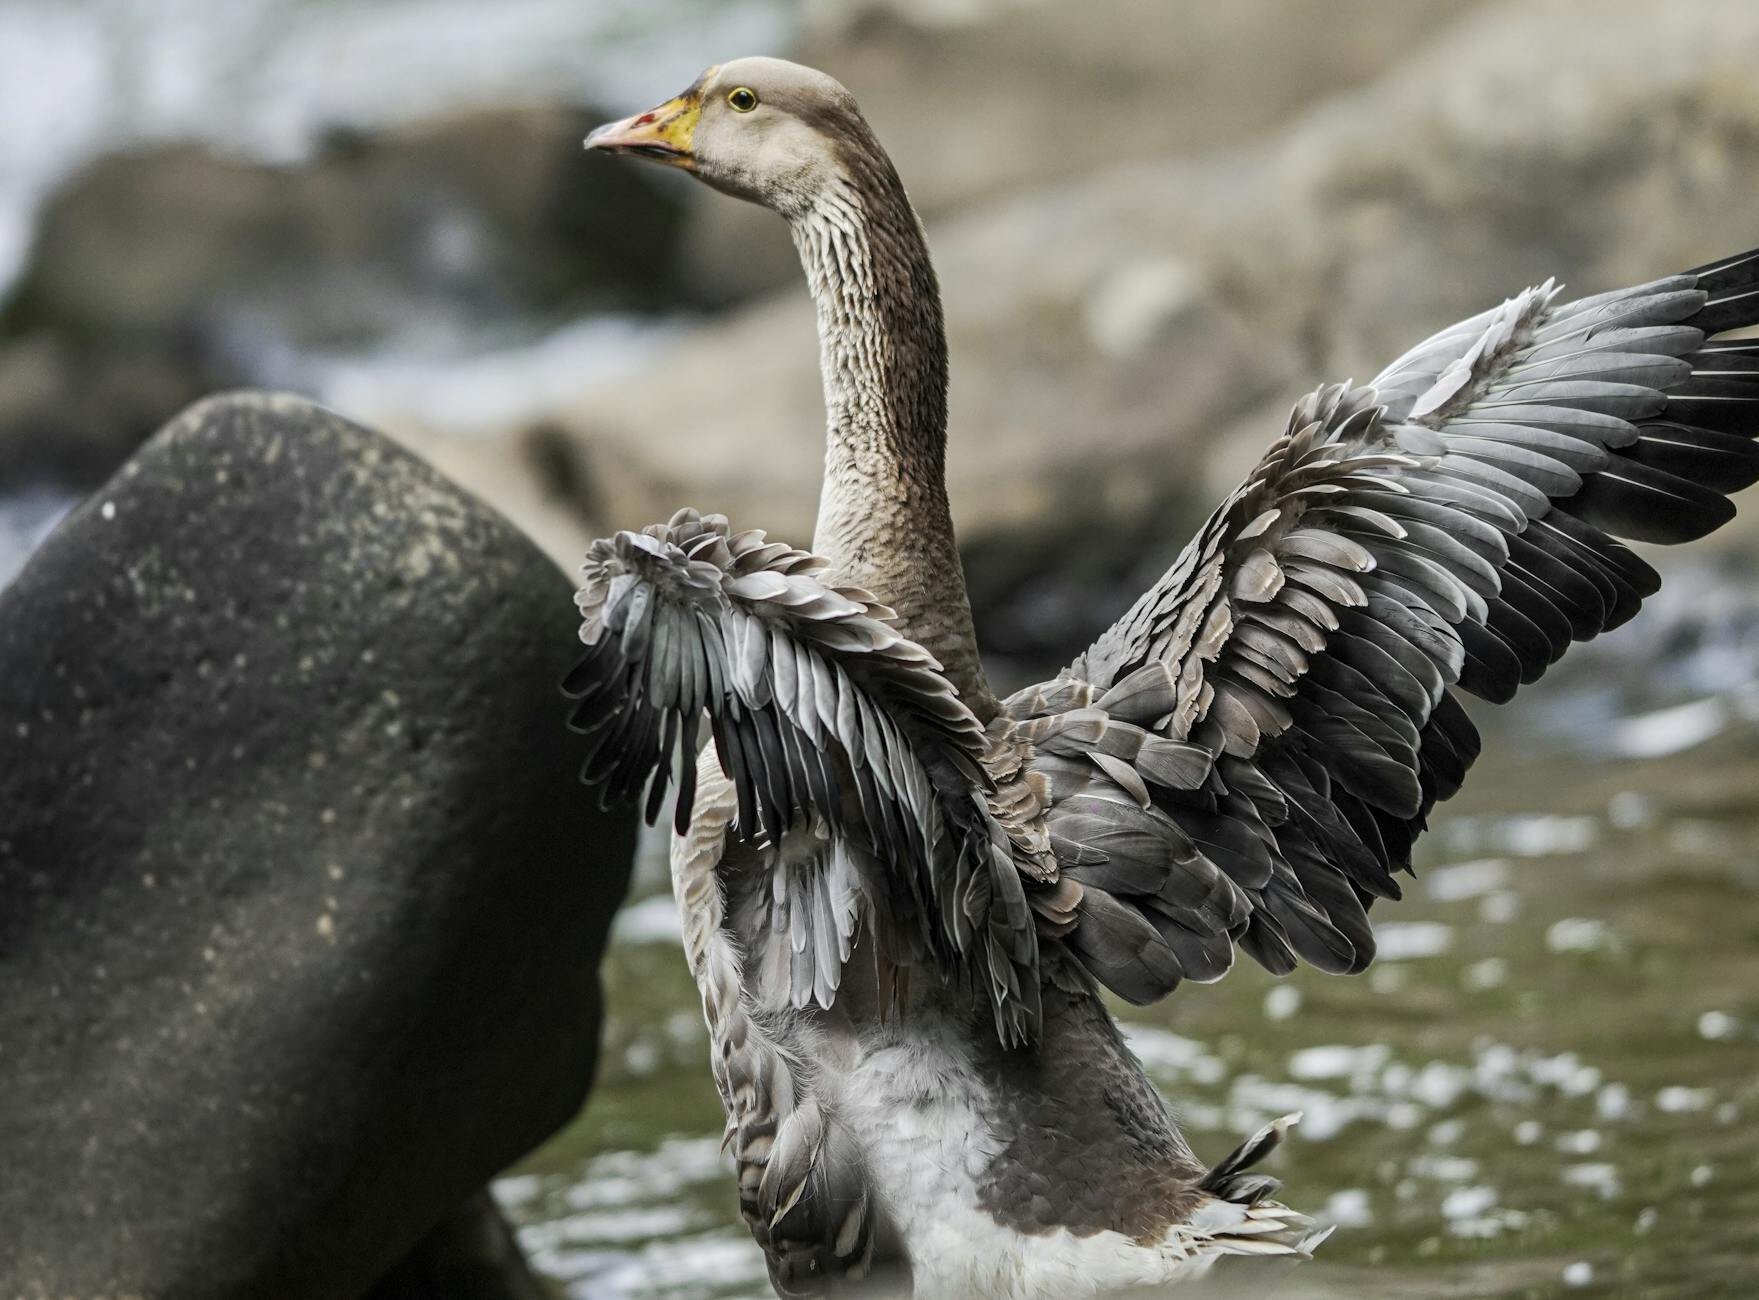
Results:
<point x="662" y="134"/>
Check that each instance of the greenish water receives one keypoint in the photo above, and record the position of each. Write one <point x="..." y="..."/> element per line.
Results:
<point x="1547" y="1085"/>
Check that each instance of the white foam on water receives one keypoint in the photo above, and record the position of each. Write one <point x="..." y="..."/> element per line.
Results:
<point x="1715" y="1025"/>
<point x="1387" y="977"/>
<point x="652" y="920"/>
<point x="461" y="392"/>
<point x="1677" y="1099"/>
<point x="1580" y="1142"/>
<point x="1448" y="1132"/>
<point x="1490" y="1224"/>
<point x="1630" y="810"/>
<point x="682" y="1266"/>
<point x="1543" y="834"/>
<point x="1464" y="880"/>
<point x="1337" y="1061"/>
<point x="1595" y="1176"/>
<point x="1254" y="1101"/>
<point x="56" y="69"/>
<point x="1347" y="1208"/>
<point x="1565" y="1072"/>
<point x="1578" y="934"/>
<point x="1444" y="1169"/>
<point x="641" y="1058"/>
<point x="1521" y="835"/>
<point x="1490" y="973"/>
<point x="1499" y="907"/>
<point x="1281" y="1002"/>
<point x="621" y="1177"/>
<point x="614" y="1227"/>
<point x="1613" y="1102"/>
<point x="1439" y="1085"/>
<point x="1670" y="731"/>
<point x="1172" y="1056"/>
<point x="635" y="1223"/>
<point x="1467" y="1202"/>
<point x="1409" y="940"/>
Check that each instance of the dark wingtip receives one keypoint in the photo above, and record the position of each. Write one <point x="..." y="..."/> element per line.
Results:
<point x="1640" y="503"/>
<point x="1727" y="273"/>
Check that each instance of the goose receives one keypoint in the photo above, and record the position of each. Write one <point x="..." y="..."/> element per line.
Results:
<point x="902" y="897"/>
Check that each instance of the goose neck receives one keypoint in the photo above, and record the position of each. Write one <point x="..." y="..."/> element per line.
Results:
<point x="884" y="520"/>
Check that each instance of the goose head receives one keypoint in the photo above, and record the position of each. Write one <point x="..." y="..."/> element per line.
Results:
<point x="765" y="130"/>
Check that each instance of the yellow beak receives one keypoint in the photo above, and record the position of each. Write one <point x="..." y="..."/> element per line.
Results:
<point x="662" y="134"/>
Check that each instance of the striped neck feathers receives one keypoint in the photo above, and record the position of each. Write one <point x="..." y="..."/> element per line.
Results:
<point x="883" y="518"/>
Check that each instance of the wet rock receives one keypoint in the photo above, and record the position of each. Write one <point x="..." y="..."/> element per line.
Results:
<point x="164" y="272"/>
<point x="304" y="905"/>
<point x="471" y="1254"/>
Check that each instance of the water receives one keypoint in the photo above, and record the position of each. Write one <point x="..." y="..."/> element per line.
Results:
<point x="467" y="389"/>
<point x="266" y="78"/>
<point x="1549" y="1090"/>
<point x="26" y="518"/>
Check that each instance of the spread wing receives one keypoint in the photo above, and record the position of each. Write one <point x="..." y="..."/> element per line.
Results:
<point x="835" y="732"/>
<point x="1451" y="527"/>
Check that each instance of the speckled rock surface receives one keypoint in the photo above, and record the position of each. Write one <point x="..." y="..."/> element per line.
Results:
<point x="303" y="907"/>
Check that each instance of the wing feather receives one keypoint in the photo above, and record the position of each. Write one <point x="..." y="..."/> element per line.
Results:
<point x="1247" y="756"/>
<point x="1454" y="526"/>
<point x="810" y="692"/>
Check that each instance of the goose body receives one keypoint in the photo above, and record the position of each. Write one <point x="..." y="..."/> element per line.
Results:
<point x="901" y="896"/>
<point x="931" y="1128"/>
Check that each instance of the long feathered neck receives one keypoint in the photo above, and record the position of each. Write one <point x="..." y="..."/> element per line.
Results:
<point x="883" y="519"/>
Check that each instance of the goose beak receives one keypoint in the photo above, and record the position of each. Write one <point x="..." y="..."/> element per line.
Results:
<point x="662" y="134"/>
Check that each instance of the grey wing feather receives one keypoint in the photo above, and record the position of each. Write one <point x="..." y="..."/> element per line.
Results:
<point x="1454" y="525"/>
<point x="823" y="715"/>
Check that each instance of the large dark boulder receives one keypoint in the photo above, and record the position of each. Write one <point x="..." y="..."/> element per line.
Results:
<point x="301" y="907"/>
<point x="471" y="1254"/>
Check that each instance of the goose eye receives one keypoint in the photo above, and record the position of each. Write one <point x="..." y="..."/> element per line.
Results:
<point x="742" y="98"/>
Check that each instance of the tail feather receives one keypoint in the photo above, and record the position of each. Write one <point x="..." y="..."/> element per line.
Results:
<point x="1239" y="1218"/>
<point x="1230" y="1180"/>
<point x="812" y="1212"/>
